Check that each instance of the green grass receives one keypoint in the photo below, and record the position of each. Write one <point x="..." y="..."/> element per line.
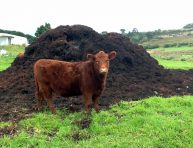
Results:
<point x="172" y="64"/>
<point x="12" y="52"/>
<point x="153" y="122"/>
<point x="172" y="49"/>
<point x="5" y="124"/>
<point x="5" y="62"/>
<point x="174" y="57"/>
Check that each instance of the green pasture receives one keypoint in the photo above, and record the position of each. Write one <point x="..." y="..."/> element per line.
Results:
<point x="12" y="52"/>
<point x="172" y="49"/>
<point x="172" y="64"/>
<point x="5" y="62"/>
<point x="177" y="41"/>
<point x="174" y="57"/>
<point x="153" y="122"/>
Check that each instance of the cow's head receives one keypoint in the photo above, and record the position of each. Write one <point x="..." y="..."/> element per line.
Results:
<point x="101" y="61"/>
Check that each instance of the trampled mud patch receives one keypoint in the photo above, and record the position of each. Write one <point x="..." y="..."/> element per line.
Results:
<point x="8" y="130"/>
<point x="83" y="123"/>
<point x="133" y="75"/>
<point x="79" y="135"/>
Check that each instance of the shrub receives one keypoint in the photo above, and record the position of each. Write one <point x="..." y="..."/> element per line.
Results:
<point x="183" y="44"/>
<point x="166" y="45"/>
<point x="151" y="46"/>
<point x="190" y="44"/>
<point x="183" y="59"/>
<point x="169" y="58"/>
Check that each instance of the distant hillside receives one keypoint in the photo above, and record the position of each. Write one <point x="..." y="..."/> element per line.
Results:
<point x="30" y="38"/>
<point x="162" y="38"/>
<point x="174" y="41"/>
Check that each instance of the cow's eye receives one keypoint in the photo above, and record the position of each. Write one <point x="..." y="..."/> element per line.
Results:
<point x="107" y="60"/>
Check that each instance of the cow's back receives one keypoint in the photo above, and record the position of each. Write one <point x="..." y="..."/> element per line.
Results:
<point x="60" y="77"/>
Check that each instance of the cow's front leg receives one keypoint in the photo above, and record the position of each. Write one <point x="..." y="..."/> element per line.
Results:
<point x="95" y="99"/>
<point x="87" y="102"/>
<point x="51" y="105"/>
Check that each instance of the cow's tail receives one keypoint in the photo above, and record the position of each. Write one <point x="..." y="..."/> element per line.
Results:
<point x="37" y="88"/>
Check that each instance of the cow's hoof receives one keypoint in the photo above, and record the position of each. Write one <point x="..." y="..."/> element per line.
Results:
<point x="36" y="108"/>
<point x="53" y="112"/>
<point x="97" y="111"/>
<point x="87" y="113"/>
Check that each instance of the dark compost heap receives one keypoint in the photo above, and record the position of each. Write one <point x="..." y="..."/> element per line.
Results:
<point x="133" y="75"/>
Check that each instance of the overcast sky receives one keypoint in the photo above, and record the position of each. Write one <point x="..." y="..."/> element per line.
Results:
<point x="101" y="15"/>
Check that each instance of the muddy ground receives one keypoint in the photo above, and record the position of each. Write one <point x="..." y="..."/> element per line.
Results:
<point x="133" y="75"/>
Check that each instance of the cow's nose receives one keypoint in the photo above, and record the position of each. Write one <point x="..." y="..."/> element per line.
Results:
<point x="103" y="70"/>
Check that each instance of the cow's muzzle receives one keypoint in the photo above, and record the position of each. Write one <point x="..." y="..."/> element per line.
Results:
<point x="103" y="70"/>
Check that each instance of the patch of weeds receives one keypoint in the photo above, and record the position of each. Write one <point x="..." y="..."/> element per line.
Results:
<point x="62" y="114"/>
<point x="83" y="123"/>
<point x="4" y="124"/>
<point x="80" y="135"/>
<point x="119" y="115"/>
<point x="30" y="131"/>
<point x="51" y="134"/>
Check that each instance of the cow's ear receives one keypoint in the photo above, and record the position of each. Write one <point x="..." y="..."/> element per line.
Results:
<point x="90" y="57"/>
<point x="112" y="55"/>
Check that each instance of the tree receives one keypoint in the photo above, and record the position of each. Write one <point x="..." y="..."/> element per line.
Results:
<point x="42" y="29"/>
<point x="149" y="35"/>
<point x="188" y="26"/>
<point x="122" y="31"/>
<point x="135" y="30"/>
<point x="104" y="32"/>
<point x="30" y="38"/>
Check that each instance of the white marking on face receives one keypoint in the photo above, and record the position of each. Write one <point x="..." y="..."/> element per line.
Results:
<point x="103" y="70"/>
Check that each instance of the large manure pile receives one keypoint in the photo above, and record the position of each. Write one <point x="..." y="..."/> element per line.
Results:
<point x="133" y="75"/>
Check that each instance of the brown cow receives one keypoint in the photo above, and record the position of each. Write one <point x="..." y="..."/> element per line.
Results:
<point x="86" y="78"/>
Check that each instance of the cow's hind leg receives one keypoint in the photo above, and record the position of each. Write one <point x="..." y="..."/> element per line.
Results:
<point x="48" y="97"/>
<point x="87" y="101"/>
<point x="39" y="96"/>
<point x="40" y="99"/>
<point x="95" y="99"/>
<point x="51" y="105"/>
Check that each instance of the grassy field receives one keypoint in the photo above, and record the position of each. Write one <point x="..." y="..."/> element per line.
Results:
<point x="153" y="122"/>
<point x="178" y="40"/>
<point x="12" y="52"/>
<point x="173" y="64"/>
<point x="174" y="57"/>
<point x="172" y="49"/>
